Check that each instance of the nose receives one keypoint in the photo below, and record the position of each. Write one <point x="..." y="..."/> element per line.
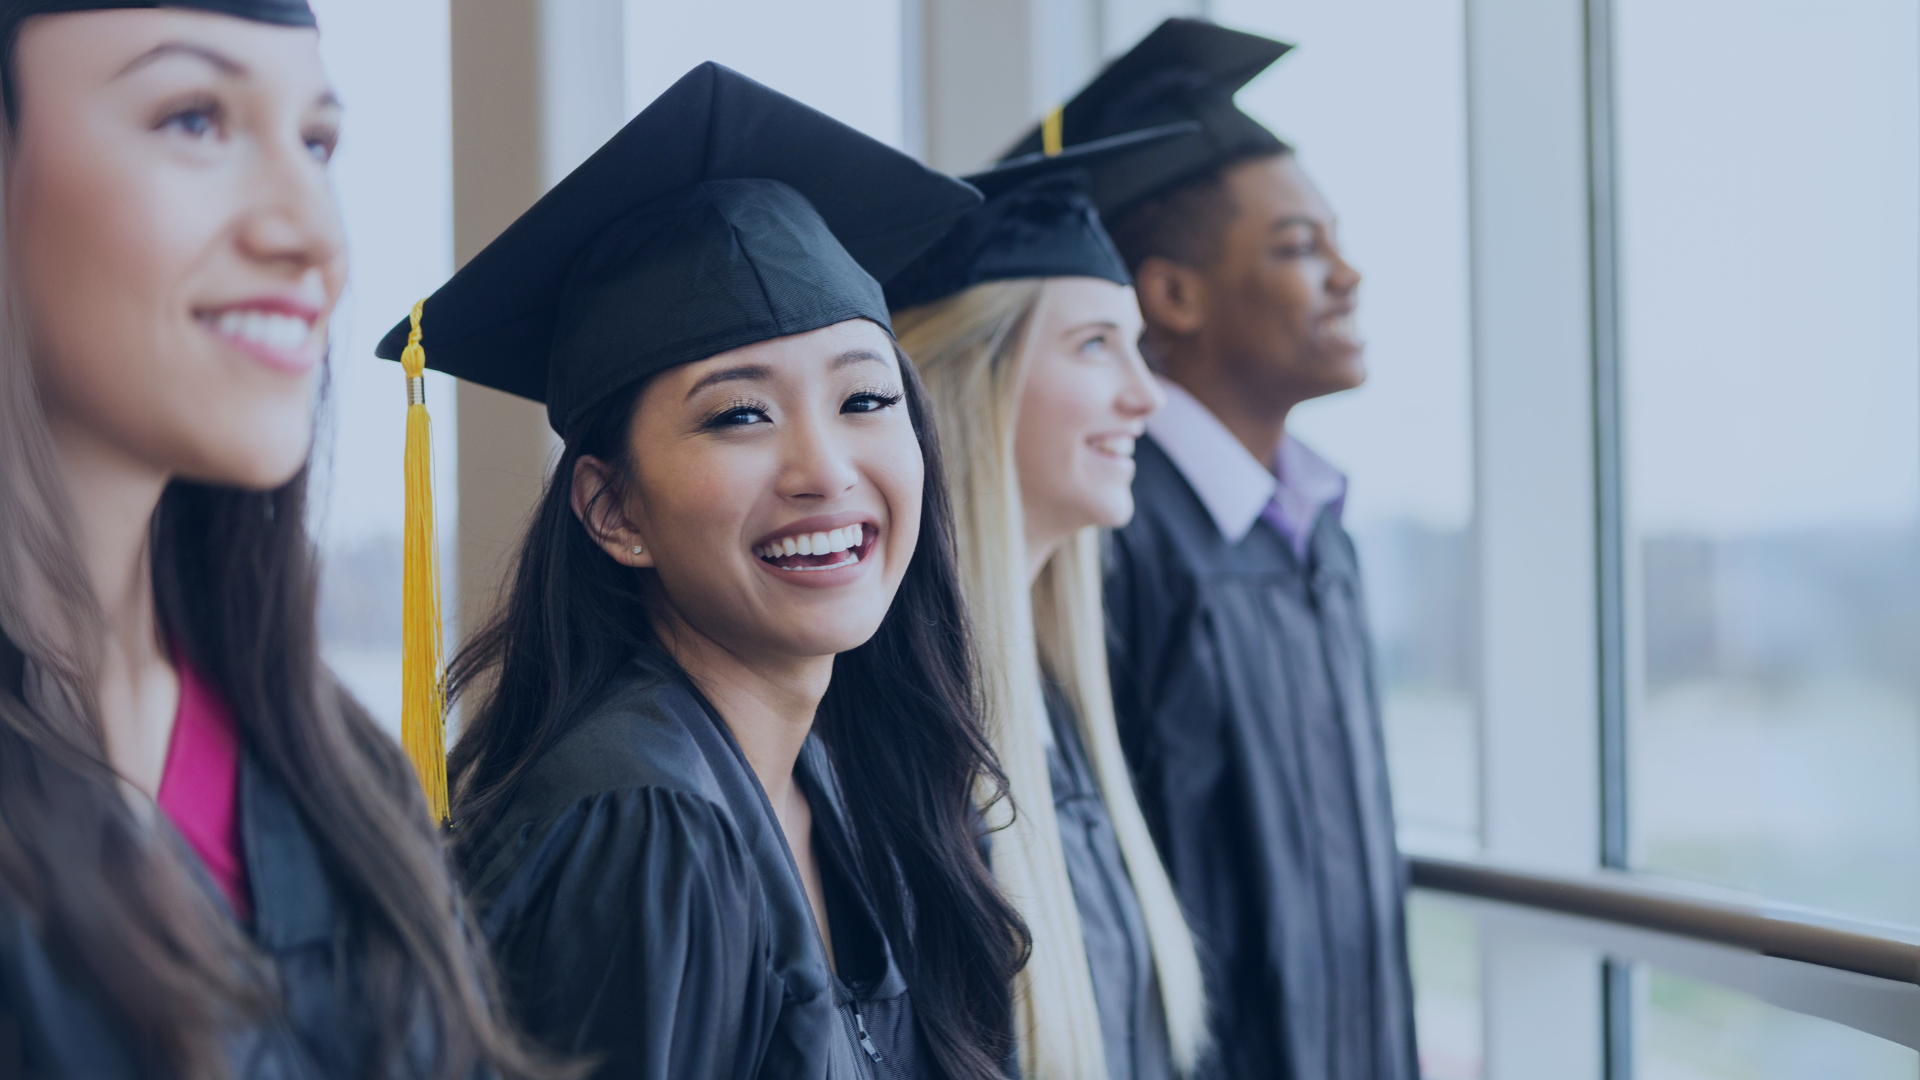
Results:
<point x="815" y="463"/>
<point x="1140" y="393"/>
<point x="1343" y="279"/>
<point x="294" y="221"/>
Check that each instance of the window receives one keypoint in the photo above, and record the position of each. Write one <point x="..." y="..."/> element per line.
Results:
<point x="1698" y="1031"/>
<point x="1769" y="213"/>
<point x="843" y="58"/>
<point x="393" y="176"/>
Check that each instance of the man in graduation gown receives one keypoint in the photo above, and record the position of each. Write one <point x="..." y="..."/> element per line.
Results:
<point x="1243" y="673"/>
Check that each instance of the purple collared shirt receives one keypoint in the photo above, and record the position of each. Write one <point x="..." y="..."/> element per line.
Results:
<point x="1232" y="484"/>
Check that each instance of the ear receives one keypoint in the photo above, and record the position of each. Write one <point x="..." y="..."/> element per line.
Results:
<point x="597" y="505"/>
<point x="1173" y="298"/>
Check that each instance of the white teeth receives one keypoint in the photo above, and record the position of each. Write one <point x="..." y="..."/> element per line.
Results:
<point x="819" y="543"/>
<point x="271" y="329"/>
<point x="1119" y="445"/>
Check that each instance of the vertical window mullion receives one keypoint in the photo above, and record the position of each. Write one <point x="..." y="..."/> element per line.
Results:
<point x="1610" y="528"/>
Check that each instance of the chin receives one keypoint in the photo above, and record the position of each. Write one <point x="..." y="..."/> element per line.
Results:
<point x="250" y="468"/>
<point x="817" y="633"/>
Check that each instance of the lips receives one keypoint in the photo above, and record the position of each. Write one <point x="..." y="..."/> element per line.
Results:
<point x="1120" y="446"/>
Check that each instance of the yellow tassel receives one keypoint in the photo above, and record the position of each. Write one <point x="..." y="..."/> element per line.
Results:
<point x="422" y="692"/>
<point x="1050" y="131"/>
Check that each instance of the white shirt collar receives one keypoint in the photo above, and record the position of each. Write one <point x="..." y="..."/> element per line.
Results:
<point x="1231" y="483"/>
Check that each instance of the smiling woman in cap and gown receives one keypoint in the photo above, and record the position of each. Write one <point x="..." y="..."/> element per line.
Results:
<point x="1024" y="323"/>
<point x="1243" y="676"/>
<point x="212" y="862"/>
<point x="715" y="796"/>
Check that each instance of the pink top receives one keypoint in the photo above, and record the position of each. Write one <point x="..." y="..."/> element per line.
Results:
<point x="200" y="787"/>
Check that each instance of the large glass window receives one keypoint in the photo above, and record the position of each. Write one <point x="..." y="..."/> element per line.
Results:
<point x="1697" y="1031"/>
<point x="1374" y="100"/>
<point x="1769" y="172"/>
<point x="841" y="58"/>
<point x="394" y="178"/>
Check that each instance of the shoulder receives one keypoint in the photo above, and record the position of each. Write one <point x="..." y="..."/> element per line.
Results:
<point x="645" y="763"/>
<point x="646" y="732"/>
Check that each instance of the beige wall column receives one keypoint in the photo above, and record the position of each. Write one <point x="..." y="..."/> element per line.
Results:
<point x="537" y="84"/>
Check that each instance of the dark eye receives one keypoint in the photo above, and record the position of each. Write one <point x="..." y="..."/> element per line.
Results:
<point x="1299" y="245"/>
<point x="321" y="145"/>
<point x="196" y="121"/>
<point x="740" y="416"/>
<point x="870" y="401"/>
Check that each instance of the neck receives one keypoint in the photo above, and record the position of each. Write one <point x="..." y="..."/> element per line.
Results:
<point x="1255" y="414"/>
<point x="768" y="702"/>
<point x="113" y="498"/>
<point x="1039" y="550"/>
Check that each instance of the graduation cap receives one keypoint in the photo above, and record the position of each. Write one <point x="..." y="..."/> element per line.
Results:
<point x="1038" y="221"/>
<point x="723" y="215"/>
<point x="1187" y="69"/>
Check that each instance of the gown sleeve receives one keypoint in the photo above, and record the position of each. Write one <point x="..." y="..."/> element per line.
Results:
<point x="633" y="935"/>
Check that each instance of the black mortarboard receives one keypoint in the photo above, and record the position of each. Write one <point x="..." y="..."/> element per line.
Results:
<point x="1186" y="69"/>
<point x="723" y="215"/>
<point x="1038" y="221"/>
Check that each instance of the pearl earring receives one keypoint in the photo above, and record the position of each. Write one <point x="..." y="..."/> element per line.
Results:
<point x="638" y="550"/>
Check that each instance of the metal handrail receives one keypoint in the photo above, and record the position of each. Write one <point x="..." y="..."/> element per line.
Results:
<point x="1619" y="898"/>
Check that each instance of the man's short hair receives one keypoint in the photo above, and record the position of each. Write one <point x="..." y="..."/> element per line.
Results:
<point x="1186" y="224"/>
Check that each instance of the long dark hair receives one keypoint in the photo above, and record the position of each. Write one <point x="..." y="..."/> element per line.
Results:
<point x="235" y="590"/>
<point x="899" y="720"/>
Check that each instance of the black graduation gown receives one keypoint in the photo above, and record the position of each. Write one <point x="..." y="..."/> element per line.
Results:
<point x="1244" y="687"/>
<point x="1133" y="1025"/>
<point x="643" y="905"/>
<point x="59" y="1028"/>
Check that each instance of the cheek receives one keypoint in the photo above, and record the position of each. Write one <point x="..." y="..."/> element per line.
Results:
<point x="110" y="248"/>
<point x="97" y="260"/>
<point x="898" y="473"/>
<point x="696" y="502"/>
<point x="1057" y="414"/>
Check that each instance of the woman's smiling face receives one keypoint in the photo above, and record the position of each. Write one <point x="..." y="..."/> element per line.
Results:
<point x="179" y="246"/>
<point x="774" y="488"/>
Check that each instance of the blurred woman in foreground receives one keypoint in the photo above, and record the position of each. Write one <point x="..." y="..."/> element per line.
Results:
<point x="211" y="862"/>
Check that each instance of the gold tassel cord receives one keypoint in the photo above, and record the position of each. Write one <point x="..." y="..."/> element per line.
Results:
<point x="1050" y="131"/>
<point x="422" y="691"/>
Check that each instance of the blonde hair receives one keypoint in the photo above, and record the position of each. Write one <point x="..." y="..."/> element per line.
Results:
<point x="972" y="351"/>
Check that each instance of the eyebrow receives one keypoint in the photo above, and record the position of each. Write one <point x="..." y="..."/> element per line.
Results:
<point x="1294" y="219"/>
<point x="754" y="372"/>
<point x="743" y="373"/>
<point x="857" y="356"/>
<point x="220" y="61"/>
